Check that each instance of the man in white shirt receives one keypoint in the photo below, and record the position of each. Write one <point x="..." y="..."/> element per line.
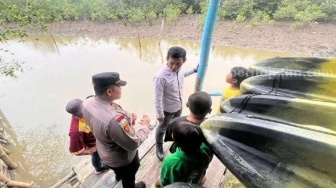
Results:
<point x="168" y="93"/>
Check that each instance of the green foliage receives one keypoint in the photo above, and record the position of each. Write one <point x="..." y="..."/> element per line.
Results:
<point x="13" y="19"/>
<point x="300" y="10"/>
<point x="171" y="13"/>
<point x="126" y="10"/>
<point x="204" y="10"/>
<point x="270" y="10"/>
<point x="190" y="10"/>
<point x="150" y="16"/>
<point x="236" y="9"/>
<point x="138" y="10"/>
<point x="42" y="11"/>
<point x="135" y="15"/>
<point x="261" y="16"/>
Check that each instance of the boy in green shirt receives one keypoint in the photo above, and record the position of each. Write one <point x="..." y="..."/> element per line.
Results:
<point x="191" y="159"/>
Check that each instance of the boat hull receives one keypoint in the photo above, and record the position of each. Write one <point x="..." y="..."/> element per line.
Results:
<point x="317" y="115"/>
<point x="264" y="153"/>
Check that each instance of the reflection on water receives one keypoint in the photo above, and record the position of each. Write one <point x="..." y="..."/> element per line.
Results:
<point x="42" y="155"/>
<point x="35" y="102"/>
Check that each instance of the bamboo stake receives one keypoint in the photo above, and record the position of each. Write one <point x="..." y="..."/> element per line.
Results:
<point x="7" y="160"/>
<point x="3" y="139"/>
<point x="52" y="37"/>
<point x="10" y="183"/>
<point x="139" y="45"/>
<point x="160" y="40"/>
<point x="5" y="149"/>
<point x="8" y="127"/>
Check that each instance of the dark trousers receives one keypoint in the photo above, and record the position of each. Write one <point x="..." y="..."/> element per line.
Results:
<point x="161" y="129"/>
<point x="127" y="173"/>
<point x="96" y="161"/>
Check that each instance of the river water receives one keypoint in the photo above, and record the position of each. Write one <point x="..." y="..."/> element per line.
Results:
<point x="56" y="72"/>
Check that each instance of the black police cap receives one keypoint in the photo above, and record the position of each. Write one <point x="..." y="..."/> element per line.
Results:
<point x="105" y="79"/>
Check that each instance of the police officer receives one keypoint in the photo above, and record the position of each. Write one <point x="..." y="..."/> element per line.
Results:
<point x="116" y="140"/>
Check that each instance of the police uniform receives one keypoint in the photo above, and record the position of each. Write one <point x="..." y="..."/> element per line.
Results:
<point x="116" y="139"/>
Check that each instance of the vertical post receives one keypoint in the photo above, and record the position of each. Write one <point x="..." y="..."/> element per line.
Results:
<point x="206" y="42"/>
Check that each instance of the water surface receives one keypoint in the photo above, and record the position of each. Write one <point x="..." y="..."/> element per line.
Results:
<point x="34" y="104"/>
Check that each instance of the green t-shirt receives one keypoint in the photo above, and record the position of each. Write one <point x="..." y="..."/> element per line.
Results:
<point x="179" y="167"/>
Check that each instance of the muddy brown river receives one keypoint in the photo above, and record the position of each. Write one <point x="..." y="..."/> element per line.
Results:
<point x="34" y="103"/>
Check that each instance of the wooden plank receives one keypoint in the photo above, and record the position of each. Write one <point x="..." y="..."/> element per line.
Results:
<point x="80" y="171"/>
<point x="151" y="173"/>
<point x="149" y="166"/>
<point x="104" y="180"/>
<point x="214" y="173"/>
<point x="83" y="168"/>
<point x="67" y="178"/>
<point x="108" y="179"/>
<point x="85" y="176"/>
<point x="147" y="144"/>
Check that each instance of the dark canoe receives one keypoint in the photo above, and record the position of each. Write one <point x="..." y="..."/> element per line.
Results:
<point x="263" y="153"/>
<point x="312" y="114"/>
<point x="312" y="78"/>
<point x="282" y="134"/>
<point x="301" y="65"/>
<point x="182" y="185"/>
<point x="313" y="86"/>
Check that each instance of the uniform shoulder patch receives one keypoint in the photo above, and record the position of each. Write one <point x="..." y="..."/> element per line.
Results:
<point x="123" y="123"/>
<point x="121" y="118"/>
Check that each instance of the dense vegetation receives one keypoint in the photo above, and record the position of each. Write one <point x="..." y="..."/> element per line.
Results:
<point x="138" y="10"/>
<point x="40" y="12"/>
<point x="16" y="14"/>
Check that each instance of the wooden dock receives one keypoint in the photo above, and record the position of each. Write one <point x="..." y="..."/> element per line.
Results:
<point x="8" y="167"/>
<point x="83" y="176"/>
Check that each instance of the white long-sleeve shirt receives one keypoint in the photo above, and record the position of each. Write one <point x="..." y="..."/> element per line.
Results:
<point x="168" y="90"/>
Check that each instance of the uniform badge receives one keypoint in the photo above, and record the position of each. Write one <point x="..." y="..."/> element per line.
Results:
<point x="122" y="121"/>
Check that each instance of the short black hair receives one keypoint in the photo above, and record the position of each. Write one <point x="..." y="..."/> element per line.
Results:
<point x="240" y="74"/>
<point x="188" y="137"/>
<point x="101" y="91"/>
<point x="177" y="52"/>
<point x="200" y="103"/>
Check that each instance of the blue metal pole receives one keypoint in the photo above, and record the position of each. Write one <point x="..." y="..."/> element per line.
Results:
<point x="206" y="42"/>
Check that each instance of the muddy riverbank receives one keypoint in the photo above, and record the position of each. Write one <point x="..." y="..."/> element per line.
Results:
<point x="315" y="39"/>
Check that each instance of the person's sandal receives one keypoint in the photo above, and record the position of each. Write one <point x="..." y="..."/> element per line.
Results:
<point x="103" y="169"/>
<point x="140" y="184"/>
